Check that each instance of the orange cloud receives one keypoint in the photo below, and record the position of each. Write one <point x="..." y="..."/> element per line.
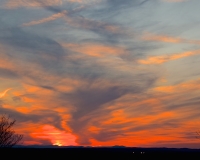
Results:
<point x="145" y="138"/>
<point x="2" y="94"/>
<point x="152" y="37"/>
<point x="95" y="50"/>
<point x="94" y="129"/>
<point x="167" y="39"/>
<point x="56" y="136"/>
<point x="5" y="62"/>
<point x="35" y="132"/>
<point x="187" y="86"/>
<point x="153" y="129"/>
<point x="166" y="58"/>
<point x="122" y="117"/>
<point x="143" y="121"/>
<point x="29" y="104"/>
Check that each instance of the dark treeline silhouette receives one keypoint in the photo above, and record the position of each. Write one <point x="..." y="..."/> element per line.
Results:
<point x="102" y="153"/>
<point x="198" y="134"/>
<point x="8" y="137"/>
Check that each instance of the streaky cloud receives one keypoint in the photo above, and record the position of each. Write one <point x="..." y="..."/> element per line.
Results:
<point x="4" y="92"/>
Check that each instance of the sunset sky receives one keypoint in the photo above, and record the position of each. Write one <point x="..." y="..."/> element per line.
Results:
<point x="101" y="72"/>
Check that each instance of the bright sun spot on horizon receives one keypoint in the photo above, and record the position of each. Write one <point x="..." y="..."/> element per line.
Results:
<point x="56" y="136"/>
<point x="58" y="143"/>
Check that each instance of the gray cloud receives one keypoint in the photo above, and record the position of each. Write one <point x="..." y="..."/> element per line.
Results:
<point x="38" y="116"/>
<point x="107" y="135"/>
<point x="94" y="97"/>
<point x="26" y="50"/>
<point x="79" y="21"/>
<point x="89" y="102"/>
<point x="6" y="73"/>
<point x="20" y="97"/>
<point x="125" y="3"/>
<point x="31" y="42"/>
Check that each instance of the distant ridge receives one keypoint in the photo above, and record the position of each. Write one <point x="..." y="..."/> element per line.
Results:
<point x="111" y="147"/>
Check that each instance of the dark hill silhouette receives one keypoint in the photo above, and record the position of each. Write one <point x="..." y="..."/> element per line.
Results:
<point x="121" y="153"/>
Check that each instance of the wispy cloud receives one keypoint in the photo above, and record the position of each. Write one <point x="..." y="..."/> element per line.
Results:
<point x="166" y="58"/>
<point x="56" y="136"/>
<point x="192" y="85"/>
<point x="2" y="94"/>
<point x="101" y="28"/>
<point x="96" y="50"/>
<point x="31" y="3"/>
<point x="167" y="39"/>
<point x="174" y="0"/>
<point x="44" y="20"/>
<point x="84" y="1"/>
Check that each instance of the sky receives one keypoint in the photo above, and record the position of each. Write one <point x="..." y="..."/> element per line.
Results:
<point x="101" y="72"/>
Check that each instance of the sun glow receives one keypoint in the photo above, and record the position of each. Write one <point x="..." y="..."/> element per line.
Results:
<point x="58" y="143"/>
<point x="56" y="136"/>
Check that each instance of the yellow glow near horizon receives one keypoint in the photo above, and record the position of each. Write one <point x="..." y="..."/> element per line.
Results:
<point x="58" y="143"/>
<point x="56" y="136"/>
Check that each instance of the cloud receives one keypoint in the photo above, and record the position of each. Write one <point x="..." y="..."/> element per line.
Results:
<point x="83" y="1"/>
<point x="32" y="42"/>
<point x="186" y="107"/>
<point x="166" y="58"/>
<point x="137" y="116"/>
<point x="90" y="100"/>
<point x="36" y="117"/>
<point x="31" y="110"/>
<point x="78" y="22"/>
<point x="44" y="20"/>
<point x="96" y="50"/>
<point x="31" y="3"/>
<point x="167" y="39"/>
<point x="174" y="0"/>
<point x="56" y="136"/>
<point x="4" y="93"/>
<point x="191" y="85"/>
<point x="6" y="73"/>
<point x="125" y="3"/>
<point x="30" y="50"/>
<point x="109" y="31"/>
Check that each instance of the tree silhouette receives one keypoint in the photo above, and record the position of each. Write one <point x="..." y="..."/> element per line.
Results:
<point x="8" y="138"/>
<point x="198" y="134"/>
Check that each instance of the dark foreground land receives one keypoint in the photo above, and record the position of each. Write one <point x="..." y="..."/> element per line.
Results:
<point x="100" y="153"/>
